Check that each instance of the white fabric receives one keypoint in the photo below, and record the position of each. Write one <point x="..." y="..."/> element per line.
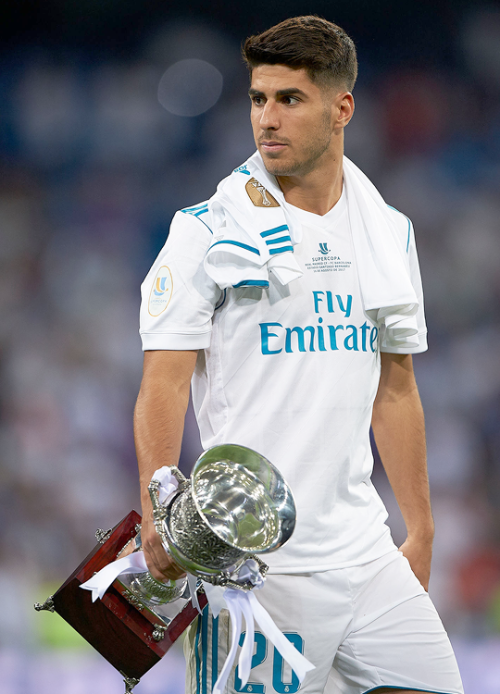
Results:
<point x="304" y="410"/>
<point x="236" y="220"/>
<point x="186" y="322"/>
<point x="382" y="267"/>
<point x="215" y="596"/>
<point x="245" y="605"/>
<point x="241" y="252"/>
<point x="373" y="623"/>
<point x="192" y="583"/>
<point x="100" y="582"/>
<point x="168" y="483"/>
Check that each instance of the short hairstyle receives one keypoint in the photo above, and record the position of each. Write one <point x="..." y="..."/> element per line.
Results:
<point x="320" y="47"/>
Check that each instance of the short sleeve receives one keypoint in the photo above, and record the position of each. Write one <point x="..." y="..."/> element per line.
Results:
<point x="178" y="297"/>
<point x="410" y="248"/>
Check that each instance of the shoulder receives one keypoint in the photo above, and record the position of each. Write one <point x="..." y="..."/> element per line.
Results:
<point x="190" y="230"/>
<point x="404" y="227"/>
<point x="193" y="216"/>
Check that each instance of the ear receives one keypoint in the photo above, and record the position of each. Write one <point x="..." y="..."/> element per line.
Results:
<point x="344" y="103"/>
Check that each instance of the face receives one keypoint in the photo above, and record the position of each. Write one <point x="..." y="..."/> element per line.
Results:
<point x="293" y="120"/>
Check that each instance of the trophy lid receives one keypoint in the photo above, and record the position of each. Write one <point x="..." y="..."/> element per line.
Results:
<point x="243" y="498"/>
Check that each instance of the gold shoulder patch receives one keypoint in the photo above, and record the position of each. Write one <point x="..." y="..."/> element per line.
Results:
<point x="259" y="195"/>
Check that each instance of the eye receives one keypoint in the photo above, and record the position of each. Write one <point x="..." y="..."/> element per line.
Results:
<point x="289" y="100"/>
<point x="257" y="100"/>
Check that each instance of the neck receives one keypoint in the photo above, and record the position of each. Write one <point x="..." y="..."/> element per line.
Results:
<point x="317" y="191"/>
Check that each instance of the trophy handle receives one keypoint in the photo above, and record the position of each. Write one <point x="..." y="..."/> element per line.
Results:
<point x="160" y="511"/>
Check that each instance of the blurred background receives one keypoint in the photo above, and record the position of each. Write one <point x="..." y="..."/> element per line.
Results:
<point x="115" y="114"/>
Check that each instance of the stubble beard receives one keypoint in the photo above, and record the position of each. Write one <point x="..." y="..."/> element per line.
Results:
<point x="315" y="149"/>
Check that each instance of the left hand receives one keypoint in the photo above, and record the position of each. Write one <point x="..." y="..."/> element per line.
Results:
<point x="419" y="555"/>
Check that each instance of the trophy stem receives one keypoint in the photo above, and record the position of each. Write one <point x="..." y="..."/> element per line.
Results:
<point x="150" y="592"/>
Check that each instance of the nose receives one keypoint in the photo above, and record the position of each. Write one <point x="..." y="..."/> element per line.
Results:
<point x="269" y="119"/>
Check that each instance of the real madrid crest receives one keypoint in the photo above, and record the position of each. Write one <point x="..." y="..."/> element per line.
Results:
<point x="259" y="195"/>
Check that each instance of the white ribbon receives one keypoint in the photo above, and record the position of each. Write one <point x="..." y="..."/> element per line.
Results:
<point x="245" y="604"/>
<point x="99" y="583"/>
<point x="168" y="483"/>
<point x="235" y="615"/>
<point x="192" y="581"/>
<point x="299" y="664"/>
<point x="215" y="596"/>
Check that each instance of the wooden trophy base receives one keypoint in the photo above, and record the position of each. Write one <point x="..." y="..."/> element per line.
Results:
<point x="131" y="637"/>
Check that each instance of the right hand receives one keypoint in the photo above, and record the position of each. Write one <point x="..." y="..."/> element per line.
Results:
<point x="161" y="566"/>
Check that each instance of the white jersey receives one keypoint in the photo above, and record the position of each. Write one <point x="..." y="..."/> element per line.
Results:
<point x="291" y="372"/>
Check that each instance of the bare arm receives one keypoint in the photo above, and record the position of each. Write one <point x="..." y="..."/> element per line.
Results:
<point x="158" y="426"/>
<point x="399" y="430"/>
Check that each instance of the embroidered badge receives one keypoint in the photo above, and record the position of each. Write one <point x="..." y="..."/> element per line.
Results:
<point x="259" y="195"/>
<point x="161" y="291"/>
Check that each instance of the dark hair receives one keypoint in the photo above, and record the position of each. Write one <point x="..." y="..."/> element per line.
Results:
<point x="322" y="48"/>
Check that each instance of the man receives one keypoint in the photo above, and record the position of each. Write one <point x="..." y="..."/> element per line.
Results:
<point x="292" y="300"/>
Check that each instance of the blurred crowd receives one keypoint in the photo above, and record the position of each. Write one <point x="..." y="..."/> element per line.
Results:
<point x="93" y="168"/>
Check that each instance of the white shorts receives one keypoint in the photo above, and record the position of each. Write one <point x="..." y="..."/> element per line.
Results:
<point x="363" y="627"/>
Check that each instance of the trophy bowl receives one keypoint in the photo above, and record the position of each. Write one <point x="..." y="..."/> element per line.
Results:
<point x="235" y="505"/>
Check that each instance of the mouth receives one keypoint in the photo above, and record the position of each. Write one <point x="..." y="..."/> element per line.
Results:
<point x="272" y="146"/>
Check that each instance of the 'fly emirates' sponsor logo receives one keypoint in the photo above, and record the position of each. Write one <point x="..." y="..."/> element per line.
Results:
<point x="276" y="338"/>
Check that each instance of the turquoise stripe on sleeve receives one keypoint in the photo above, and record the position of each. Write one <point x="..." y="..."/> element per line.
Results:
<point x="197" y="215"/>
<point x="409" y="226"/>
<point x="273" y="251"/>
<point x="237" y="243"/>
<point x="201" y="220"/>
<point x="251" y="283"/>
<point x="270" y="232"/>
<point x="280" y="240"/>
<point x="196" y="207"/>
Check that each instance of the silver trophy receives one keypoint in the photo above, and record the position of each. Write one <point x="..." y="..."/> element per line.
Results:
<point x="235" y="506"/>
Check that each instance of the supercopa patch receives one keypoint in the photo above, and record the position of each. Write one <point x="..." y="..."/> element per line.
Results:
<point x="161" y="291"/>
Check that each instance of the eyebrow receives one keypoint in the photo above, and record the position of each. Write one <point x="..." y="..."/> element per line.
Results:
<point x="281" y="92"/>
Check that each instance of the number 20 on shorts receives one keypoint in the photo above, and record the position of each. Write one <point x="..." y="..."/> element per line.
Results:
<point x="261" y="647"/>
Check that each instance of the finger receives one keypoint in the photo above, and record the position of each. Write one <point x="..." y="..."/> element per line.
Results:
<point x="127" y="549"/>
<point x="159" y="562"/>
<point x="161" y="565"/>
